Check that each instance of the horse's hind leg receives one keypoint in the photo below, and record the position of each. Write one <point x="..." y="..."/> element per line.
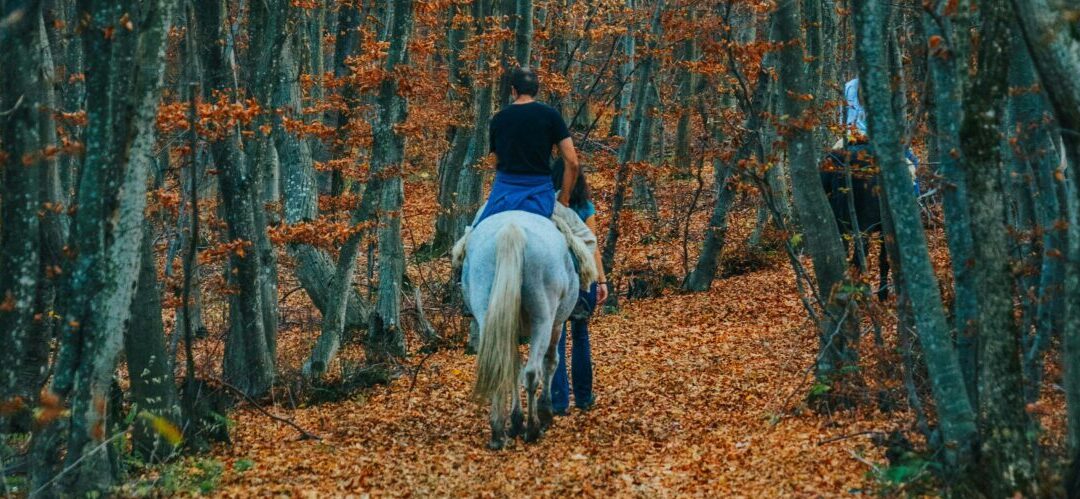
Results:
<point x="498" y="423"/>
<point x="551" y="361"/>
<point x="534" y="372"/>
<point x="517" y="419"/>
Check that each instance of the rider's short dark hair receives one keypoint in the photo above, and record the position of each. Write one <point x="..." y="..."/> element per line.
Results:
<point x="525" y="81"/>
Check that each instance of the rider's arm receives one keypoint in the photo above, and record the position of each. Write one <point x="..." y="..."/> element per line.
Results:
<point x="601" y="279"/>
<point x="570" y="169"/>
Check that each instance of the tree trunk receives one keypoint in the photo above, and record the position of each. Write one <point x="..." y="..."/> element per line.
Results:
<point x="523" y="32"/>
<point x="462" y="135"/>
<point x="122" y="101"/>
<point x="1006" y="451"/>
<point x="711" y="249"/>
<point x="1055" y="48"/>
<point x="248" y="361"/>
<point x="799" y="79"/>
<point x="22" y="100"/>
<point x="314" y="268"/>
<point x="385" y="335"/>
<point x="271" y="22"/>
<point x="469" y="183"/>
<point x="153" y="389"/>
<point x="955" y="414"/>
<point x="947" y="85"/>
<point x="1037" y="150"/>
<point x="687" y="85"/>
<point x="620" y="123"/>
<point x="632" y="150"/>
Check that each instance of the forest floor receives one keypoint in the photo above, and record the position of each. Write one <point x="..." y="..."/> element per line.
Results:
<point x="697" y="395"/>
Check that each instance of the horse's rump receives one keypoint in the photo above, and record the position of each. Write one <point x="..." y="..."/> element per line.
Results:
<point x="519" y="279"/>
<point x="859" y="161"/>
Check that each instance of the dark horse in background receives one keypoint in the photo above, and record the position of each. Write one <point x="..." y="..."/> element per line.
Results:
<point x="857" y="209"/>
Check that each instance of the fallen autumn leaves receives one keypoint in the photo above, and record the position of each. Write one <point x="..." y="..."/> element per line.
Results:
<point x="689" y="390"/>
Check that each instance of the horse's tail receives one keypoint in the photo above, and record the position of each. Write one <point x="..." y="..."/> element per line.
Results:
<point x="497" y="359"/>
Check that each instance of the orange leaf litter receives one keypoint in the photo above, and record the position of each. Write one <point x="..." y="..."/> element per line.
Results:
<point x="689" y="390"/>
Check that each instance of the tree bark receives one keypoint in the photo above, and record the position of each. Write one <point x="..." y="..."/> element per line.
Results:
<point x="947" y="91"/>
<point x="1005" y="454"/>
<point x="122" y="103"/>
<point x="620" y="123"/>
<point x="248" y="360"/>
<point x="1055" y="48"/>
<point x="22" y="102"/>
<point x="701" y="278"/>
<point x="314" y="268"/>
<point x="385" y="335"/>
<point x="446" y="223"/>
<point x="955" y="414"/>
<point x="687" y="84"/>
<point x="632" y="150"/>
<point x="153" y="389"/>
<point x="469" y="183"/>
<point x="1037" y="157"/>
<point x="799" y="79"/>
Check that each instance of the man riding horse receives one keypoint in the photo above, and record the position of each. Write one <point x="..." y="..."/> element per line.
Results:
<point x="518" y="274"/>
<point x="522" y="136"/>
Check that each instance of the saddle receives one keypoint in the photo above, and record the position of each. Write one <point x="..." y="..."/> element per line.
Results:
<point x="580" y="240"/>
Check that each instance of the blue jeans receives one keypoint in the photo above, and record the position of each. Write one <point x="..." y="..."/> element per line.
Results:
<point x="581" y="361"/>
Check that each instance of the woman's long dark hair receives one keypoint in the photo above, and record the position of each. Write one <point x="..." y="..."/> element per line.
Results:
<point x="581" y="194"/>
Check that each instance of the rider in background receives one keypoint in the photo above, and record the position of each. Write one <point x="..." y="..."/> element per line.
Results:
<point x="856" y="129"/>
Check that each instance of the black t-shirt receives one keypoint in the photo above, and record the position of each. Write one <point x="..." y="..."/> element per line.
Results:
<point x="522" y="136"/>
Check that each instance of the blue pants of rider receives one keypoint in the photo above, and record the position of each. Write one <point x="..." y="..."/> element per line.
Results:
<point x="580" y="360"/>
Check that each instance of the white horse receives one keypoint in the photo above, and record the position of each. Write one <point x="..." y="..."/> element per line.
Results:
<point x="519" y="281"/>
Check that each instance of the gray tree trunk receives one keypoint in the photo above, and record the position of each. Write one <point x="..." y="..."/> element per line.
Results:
<point x="523" y="32"/>
<point x="1006" y="450"/>
<point x="271" y="22"/>
<point x="385" y="335"/>
<point x="1035" y="135"/>
<point x="819" y="229"/>
<point x="469" y="183"/>
<point x="687" y="85"/>
<point x="22" y="99"/>
<point x="299" y="186"/>
<point x="452" y="163"/>
<point x="1055" y="47"/>
<point x="632" y="149"/>
<point x="947" y="91"/>
<point x="620" y="124"/>
<point x="153" y="389"/>
<point x="248" y="360"/>
<point x="955" y="413"/>
<point x="122" y="101"/>
<point x="701" y="278"/>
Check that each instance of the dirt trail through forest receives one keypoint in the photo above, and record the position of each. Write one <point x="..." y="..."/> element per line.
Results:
<point x="690" y="390"/>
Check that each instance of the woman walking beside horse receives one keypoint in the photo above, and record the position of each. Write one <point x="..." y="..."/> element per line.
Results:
<point x="588" y="299"/>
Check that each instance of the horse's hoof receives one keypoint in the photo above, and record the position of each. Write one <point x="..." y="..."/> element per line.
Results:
<point x="532" y="434"/>
<point x="517" y="425"/>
